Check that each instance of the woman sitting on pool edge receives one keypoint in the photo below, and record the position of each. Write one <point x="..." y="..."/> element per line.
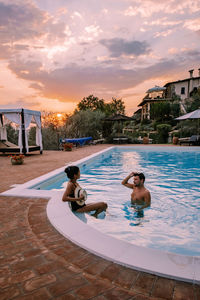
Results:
<point x="73" y="173"/>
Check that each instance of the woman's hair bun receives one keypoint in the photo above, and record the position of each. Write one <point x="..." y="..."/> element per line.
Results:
<point x="71" y="171"/>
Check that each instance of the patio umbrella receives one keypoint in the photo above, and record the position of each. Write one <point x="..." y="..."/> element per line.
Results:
<point x="191" y="115"/>
<point x="118" y="117"/>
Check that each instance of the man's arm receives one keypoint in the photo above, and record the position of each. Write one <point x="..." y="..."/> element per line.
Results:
<point x="125" y="181"/>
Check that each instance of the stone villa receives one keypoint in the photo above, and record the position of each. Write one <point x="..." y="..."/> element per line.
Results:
<point x="182" y="88"/>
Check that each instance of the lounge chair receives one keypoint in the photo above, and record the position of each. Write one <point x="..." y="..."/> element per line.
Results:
<point x="193" y="140"/>
<point x="77" y="141"/>
<point x="7" y="147"/>
<point x="120" y="140"/>
<point x="98" y="141"/>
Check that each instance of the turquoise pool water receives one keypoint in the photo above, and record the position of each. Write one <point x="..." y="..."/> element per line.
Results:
<point x="172" y="223"/>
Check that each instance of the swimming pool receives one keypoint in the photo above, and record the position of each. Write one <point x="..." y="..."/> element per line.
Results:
<point x="154" y="261"/>
<point x="172" y="176"/>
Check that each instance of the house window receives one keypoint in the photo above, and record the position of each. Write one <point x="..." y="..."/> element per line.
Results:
<point x="182" y="91"/>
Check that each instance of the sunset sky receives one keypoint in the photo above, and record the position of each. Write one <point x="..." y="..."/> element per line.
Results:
<point x="55" y="52"/>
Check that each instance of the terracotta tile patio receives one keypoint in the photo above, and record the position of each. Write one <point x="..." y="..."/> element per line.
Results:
<point x="39" y="263"/>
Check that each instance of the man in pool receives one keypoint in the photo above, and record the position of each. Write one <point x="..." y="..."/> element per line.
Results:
<point x="140" y="197"/>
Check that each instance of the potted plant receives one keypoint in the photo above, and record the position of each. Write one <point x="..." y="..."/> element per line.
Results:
<point x="145" y="140"/>
<point x="175" y="139"/>
<point x="68" y="146"/>
<point x="17" y="159"/>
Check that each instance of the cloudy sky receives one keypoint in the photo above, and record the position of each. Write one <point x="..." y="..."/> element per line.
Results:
<point x="55" y="52"/>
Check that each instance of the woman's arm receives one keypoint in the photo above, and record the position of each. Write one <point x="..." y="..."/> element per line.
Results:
<point x="69" y="190"/>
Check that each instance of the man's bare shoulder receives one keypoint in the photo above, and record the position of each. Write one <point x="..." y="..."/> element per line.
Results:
<point x="147" y="194"/>
<point x="143" y="190"/>
<point x="147" y="191"/>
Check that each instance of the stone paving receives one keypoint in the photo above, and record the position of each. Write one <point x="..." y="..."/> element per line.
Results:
<point x="36" y="262"/>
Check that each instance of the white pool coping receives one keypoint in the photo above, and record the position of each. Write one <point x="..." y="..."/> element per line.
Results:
<point x="161" y="263"/>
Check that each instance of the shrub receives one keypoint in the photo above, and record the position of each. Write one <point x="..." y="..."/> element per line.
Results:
<point x="154" y="137"/>
<point x="163" y="132"/>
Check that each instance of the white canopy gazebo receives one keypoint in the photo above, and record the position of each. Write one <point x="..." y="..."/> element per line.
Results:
<point x="23" y="118"/>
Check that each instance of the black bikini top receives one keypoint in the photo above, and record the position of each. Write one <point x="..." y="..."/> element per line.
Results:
<point x="72" y="194"/>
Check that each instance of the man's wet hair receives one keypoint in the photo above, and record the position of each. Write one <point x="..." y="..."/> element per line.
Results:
<point x="140" y="175"/>
<point x="71" y="171"/>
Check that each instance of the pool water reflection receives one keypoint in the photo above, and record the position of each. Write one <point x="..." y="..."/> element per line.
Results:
<point x="172" y="223"/>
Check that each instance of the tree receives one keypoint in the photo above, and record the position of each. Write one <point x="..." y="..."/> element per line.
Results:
<point x="53" y="119"/>
<point x="50" y="138"/>
<point x="32" y="136"/>
<point x="12" y="134"/>
<point x="194" y="100"/>
<point x="164" y="110"/>
<point x="175" y="109"/>
<point x="116" y="106"/>
<point x="160" y="111"/>
<point x="85" y="123"/>
<point x="92" y="103"/>
<point x="53" y="129"/>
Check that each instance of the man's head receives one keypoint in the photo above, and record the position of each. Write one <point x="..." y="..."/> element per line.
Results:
<point x="139" y="178"/>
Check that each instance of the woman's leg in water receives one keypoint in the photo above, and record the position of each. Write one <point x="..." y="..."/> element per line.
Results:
<point x="98" y="207"/>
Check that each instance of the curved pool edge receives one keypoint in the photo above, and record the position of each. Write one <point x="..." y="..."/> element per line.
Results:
<point x="164" y="264"/>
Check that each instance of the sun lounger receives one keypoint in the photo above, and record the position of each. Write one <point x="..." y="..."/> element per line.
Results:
<point x="7" y="147"/>
<point x="193" y="140"/>
<point x="78" y="141"/>
<point x="120" y="140"/>
<point x="99" y="141"/>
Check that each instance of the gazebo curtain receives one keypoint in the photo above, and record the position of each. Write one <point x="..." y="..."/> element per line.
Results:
<point x="38" y="131"/>
<point x="27" y="121"/>
<point x="16" y="118"/>
<point x="3" y="132"/>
